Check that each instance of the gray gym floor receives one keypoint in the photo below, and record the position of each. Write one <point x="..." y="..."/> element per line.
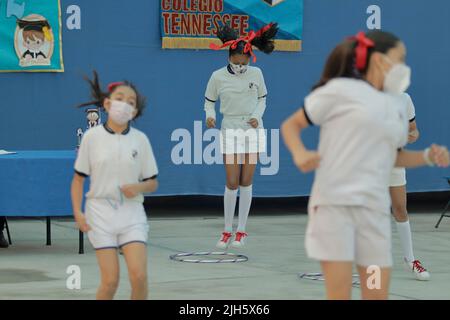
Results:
<point x="31" y="270"/>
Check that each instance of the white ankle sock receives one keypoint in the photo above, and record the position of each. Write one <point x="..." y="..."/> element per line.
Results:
<point x="229" y="204"/>
<point x="245" y="201"/>
<point x="404" y="231"/>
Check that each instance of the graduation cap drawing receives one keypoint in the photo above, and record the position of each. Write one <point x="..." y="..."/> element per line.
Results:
<point x="273" y="2"/>
<point x="39" y="26"/>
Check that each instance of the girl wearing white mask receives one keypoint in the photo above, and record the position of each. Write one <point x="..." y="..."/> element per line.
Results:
<point x="242" y="93"/>
<point x="363" y="128"/>
<point x="119" y="161"/>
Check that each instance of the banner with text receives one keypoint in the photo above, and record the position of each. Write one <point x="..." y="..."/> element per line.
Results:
<point x="192" y="24"/>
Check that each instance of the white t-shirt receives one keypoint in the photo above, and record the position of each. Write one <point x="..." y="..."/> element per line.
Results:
<point x="410" y="107"/>
<point x="240" y="95"/>
<point x="113" y="160"/>
<point x="361" y="130"/>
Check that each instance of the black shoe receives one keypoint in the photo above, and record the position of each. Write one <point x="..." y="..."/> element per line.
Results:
<point x="3" y="242"/>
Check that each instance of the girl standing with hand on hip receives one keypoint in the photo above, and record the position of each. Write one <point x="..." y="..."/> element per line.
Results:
<point x="363" y="126"/>
<point x="242" y="93"/>
<point x="119" y="161"/>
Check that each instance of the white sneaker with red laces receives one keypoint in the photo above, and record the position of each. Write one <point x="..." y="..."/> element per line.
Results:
<point x="239" y="240"/>
<point x="225" y="240"/>
<point x="419" y="271"/>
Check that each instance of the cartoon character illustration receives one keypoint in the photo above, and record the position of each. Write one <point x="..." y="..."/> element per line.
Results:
<point x="34" y="41"/>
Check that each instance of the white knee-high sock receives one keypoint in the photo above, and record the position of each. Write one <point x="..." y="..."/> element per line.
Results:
<point x="245" y="201"/>
<point x="404" y="231"/>
<point x="229" y="204"/>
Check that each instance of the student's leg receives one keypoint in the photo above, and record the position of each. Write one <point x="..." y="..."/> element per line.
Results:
<point x="108" y="262"/>
<point x="399" y="211"/>
<point x="232" y="170"/>
<point x="135" y="254"/>
<point x="338" y="279"/>
<point x="246" y="189"/>
<point x="374" y="286"/>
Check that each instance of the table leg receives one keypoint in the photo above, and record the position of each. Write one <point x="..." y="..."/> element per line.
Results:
<point x="81" y="243"/>
<point x="49" y="231"/>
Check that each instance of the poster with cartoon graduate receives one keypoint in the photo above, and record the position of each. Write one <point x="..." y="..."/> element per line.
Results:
<point x="30" y="37"/>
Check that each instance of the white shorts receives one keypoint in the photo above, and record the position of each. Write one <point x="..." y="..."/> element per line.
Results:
<point x="349" y="233"/>
<point x="114" y="225"/>
<point x="238" y="137"/>
<point x="398" y="177"/>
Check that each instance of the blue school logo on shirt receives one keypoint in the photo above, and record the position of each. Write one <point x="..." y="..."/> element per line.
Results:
<point x="134" y="154"/>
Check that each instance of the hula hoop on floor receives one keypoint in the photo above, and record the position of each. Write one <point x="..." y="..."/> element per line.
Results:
<point x="209" y="257"/>
<point x="317" y="276"/>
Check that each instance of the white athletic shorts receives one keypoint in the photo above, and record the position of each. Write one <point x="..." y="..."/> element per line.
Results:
<point x="114" y="225"/>
<point x="398" y="177"/>
<point x="238" y="137"/>
<point x="349" y="233"/>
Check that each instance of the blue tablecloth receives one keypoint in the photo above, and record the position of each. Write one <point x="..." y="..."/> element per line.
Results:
<point x="36" y="183"/>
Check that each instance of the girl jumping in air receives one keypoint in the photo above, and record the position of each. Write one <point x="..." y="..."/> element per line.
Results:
<point x="242" y="93"/>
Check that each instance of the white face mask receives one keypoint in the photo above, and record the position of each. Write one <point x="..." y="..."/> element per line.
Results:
<point x="239" y="68"/>
<point x="398" y="79"/>
<point x="121" y="112"/>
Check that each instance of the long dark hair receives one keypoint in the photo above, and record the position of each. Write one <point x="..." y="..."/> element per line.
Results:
<point x="99" y="96"/>
<point x="341" y="63"/>
<point x="264" y="42"/>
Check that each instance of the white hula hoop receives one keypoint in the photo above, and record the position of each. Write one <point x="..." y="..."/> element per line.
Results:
<point x="317" y="276"/>
<point x="190" y="257"/>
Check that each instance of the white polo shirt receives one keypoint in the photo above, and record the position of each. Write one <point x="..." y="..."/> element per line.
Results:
<point x="361" y="130"/>
<point x="113" y="160"/>
<point x="240" y="95"/>
<point x="410" y="107"/>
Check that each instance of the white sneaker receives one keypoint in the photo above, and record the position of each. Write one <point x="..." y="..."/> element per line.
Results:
<point x="419" y="271"/>
<point x="239" y="241"/>
<point x="224" y="241"/>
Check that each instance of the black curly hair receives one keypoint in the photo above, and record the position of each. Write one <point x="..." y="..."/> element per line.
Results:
<point x="99" y="95"/>
<point x="264" y="42"/>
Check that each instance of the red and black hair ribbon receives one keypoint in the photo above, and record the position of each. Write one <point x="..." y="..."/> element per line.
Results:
<point x="362" y="45"/>
<point x="112" y="86"/>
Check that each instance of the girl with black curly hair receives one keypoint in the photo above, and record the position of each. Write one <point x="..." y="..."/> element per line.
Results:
<point x="242" y="94"/>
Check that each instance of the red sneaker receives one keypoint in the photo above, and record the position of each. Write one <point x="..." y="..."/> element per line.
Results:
<point x="225" y="240"/>
<point x="239" y="241"/>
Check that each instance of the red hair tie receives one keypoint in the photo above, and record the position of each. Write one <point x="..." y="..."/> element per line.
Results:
<point x="114" y="85"/>
<point x="247" y="39"/>
<point x="363" y="43"/>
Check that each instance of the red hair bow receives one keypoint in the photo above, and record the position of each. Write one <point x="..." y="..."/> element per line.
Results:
<point x="114" y="85"/>
<point x="363" y="43"/>
<point x="247" y="39"/>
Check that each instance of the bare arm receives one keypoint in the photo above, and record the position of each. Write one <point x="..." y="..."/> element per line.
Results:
<point x="435" y="155"/>
<point x="291" y="130"/>
<point x="76" y="191"/>
<point x="77" y="194"/>
<point x="147" y="186"/>
<point x="133" y="190"/>
<point x="413" y="132"/>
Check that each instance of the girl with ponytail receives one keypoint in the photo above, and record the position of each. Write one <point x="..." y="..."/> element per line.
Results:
<point x="119" y="161"/>
<point x="361" y="110"/>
